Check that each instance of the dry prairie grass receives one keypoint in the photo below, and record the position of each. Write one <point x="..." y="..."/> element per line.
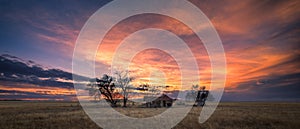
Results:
<point x="69" y="115"/>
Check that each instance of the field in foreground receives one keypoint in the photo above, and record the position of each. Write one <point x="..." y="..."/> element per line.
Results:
<point x="69" y="115"/>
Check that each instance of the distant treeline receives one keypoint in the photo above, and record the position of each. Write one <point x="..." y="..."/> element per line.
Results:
<point x="11" y="100"/>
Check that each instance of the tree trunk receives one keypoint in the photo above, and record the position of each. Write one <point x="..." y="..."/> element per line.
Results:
<point x="124" y="101"/>
<point x="114" y="104"/>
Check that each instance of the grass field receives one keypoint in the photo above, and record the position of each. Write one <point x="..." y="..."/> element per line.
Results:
<point x="69" y="115"/>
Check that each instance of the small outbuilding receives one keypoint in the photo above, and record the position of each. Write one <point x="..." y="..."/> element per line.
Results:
<point x="161" y="101"/>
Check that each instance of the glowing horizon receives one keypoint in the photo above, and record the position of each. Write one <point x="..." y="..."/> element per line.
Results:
<point x="260" y="39"/>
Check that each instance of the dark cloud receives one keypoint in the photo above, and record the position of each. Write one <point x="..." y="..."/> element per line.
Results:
<point x="250" y="30"/>
<point x="22" y="95"/>
<point x="14" y="69"/>
<point x="276" y="88"/>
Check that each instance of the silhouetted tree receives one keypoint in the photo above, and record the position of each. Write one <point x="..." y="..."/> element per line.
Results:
<point x="93" y="89"/>
<point x="192" y="94"/>
<point x="202" y="96"/>
<point x="122" y="81"/>
<point x="106" y="87"/>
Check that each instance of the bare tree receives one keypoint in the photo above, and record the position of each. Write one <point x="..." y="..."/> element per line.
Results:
<point x="92" y="87"/>
<point x="122" y="81"/>
<point x="202" y="96"/>
<point x="106" y="87"/>
<point x="195" y="87"/>
<point x="192" y="94"/>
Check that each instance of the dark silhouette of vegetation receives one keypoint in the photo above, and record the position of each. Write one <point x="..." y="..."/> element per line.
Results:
<point x="143" y="87"/>
<point x="106" y="87"/>
<point x="122" y="81"/>
<point x="202" y="96"/>
<point x="199" y="95"/>
<point x="192" y="94"/>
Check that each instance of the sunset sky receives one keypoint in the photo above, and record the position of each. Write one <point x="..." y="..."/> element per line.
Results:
<point x="260" y="39"/>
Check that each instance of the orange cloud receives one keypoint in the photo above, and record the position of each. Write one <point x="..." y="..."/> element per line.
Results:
<point x="38" y="89"/>
<point x="147" y="59"/>
<point x="151" y="60"/>
<point x="257" y="37"/>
